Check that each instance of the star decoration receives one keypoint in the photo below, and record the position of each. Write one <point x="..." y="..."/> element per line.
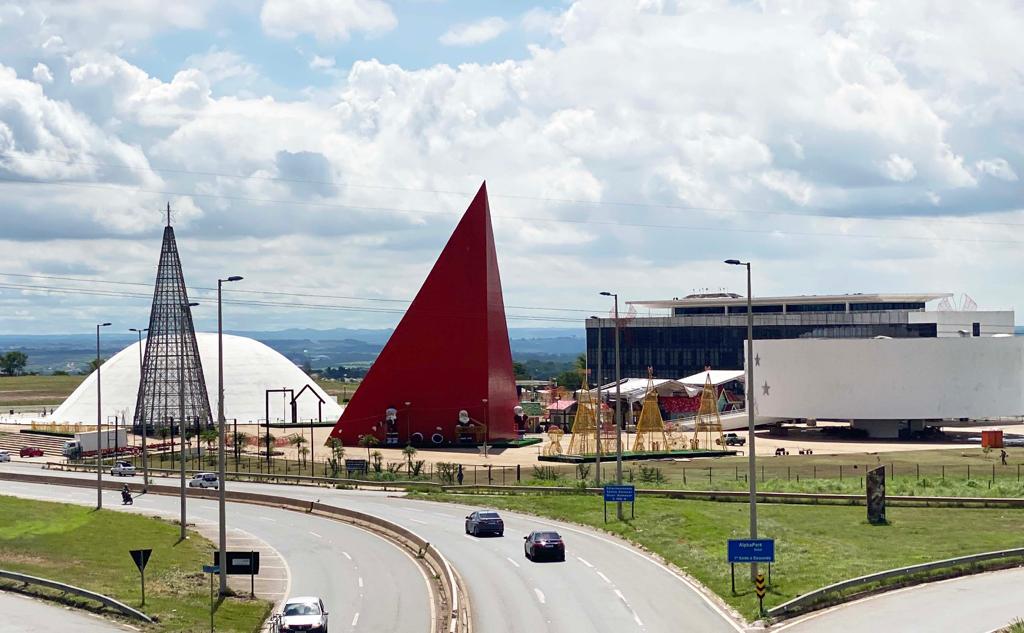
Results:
<point x="757" y="361"/>
<point x="765" y="388"/>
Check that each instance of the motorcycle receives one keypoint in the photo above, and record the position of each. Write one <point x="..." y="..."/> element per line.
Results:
<point x="126" y="498"/>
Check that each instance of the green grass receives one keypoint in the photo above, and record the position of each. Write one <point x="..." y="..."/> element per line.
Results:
<point x="1017" y="626"/>
<point x="89" y="549"/>
<point x="815" y="545"/>
<point x="16" y="391"/>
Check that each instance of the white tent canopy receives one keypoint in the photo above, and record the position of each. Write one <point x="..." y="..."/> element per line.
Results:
<point x="250" y="368"/>
<point x="718" y="377"/>
<point x="634" y="389"/>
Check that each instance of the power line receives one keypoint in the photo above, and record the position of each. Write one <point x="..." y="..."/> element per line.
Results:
<point x="588" y="222"/>
<point x="819" y="214"/>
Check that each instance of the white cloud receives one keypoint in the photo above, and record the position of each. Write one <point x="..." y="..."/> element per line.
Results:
<point x="474" y="33"/>
<point x="899" y="168"/>
<point x="220" y="65"/>
<point x="997" y="168"/>
<point x="321" y="63"/>
<point x="41" y="74"/>
<point x="326" y="20"/>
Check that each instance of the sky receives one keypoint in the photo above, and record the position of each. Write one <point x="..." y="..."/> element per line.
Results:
<point x="325" y="149"/>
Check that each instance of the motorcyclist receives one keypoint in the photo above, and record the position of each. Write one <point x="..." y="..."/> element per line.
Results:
<point x="126" y="495"/>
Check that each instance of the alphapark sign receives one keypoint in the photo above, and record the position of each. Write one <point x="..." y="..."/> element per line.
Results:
<point x="751" y="550"/>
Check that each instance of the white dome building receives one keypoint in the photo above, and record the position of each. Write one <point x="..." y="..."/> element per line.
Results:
<point x="250" y="368"/>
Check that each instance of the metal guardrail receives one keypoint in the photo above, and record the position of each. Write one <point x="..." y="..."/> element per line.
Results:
<point x="453" y="597"/>
<point x="106" y="601"/>
<point x="762" y="497"/>
<point x="818" y="596"/>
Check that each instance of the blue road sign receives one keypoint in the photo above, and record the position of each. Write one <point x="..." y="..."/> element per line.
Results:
<point x="751" y="550"/>
<point x="616" y="494"/>
<point x="211" y="569"/>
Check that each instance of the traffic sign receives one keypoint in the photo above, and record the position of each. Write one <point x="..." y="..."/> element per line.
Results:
<point x="240" y="563"/>
<point x="759" y="585"/>
<point x="619" y="494"/>
<point x="751" y="550"/>
<point x="211" y="569"/>
<point x="141" y="557"/>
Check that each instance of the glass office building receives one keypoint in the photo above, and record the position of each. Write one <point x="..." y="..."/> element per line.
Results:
<point x="680" y="337"/>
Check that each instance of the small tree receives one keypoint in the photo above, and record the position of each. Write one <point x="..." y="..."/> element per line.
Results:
<point x="409" y="452"/>
<point x="13" y="363"/>
<point x="239" y="438"/>
<point x="337" y="454"/>
<point x="298" y="441"/>
<point x="209" y="436"/>
<point x="368" y="441"/>
<point x="378" y="461"/>
<point x="268" y="440"/>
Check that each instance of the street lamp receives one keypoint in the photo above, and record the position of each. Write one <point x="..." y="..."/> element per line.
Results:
<point x="99" y="423"/>
<point x="142" y="415"/>
<point x="618" y="400"/>
<point x="600" y="382"/>
<point x="223" y="539"/>
<point x="751" y="460"/>
<point x="487" y="431"/>
<point x="181" y="414"/>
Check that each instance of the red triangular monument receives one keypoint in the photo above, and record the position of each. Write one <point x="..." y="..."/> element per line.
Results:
<point x="449" y="353"/>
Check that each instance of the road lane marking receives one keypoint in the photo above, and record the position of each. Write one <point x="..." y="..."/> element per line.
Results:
<point x="347" y="555"/>
<point x="315" y="534"/>
<point x="512" y="561"/>
<point x="540" y="595"/>
<point x="636" y="619"/>
<point x="355" y="619"/>
<point x="268" y="519"/>
<point x="360" y="581"/>
<point x="584" y="562"/>
<point x="621" y="597"/>
<point x="418" y="521"/>
<point x="604" y="578"/>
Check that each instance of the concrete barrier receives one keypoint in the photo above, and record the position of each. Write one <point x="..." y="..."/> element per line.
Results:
<point x="106" y="601"/>
<point x="820" y="597"/>
<point x="449" y="593"/>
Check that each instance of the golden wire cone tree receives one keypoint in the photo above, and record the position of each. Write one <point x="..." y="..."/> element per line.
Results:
<point x="584" y="427"/>
<point x="707" y="427"/>
<point x="650" y="428"/>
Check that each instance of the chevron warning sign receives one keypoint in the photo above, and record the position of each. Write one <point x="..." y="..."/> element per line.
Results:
<point x="759" y="585"/>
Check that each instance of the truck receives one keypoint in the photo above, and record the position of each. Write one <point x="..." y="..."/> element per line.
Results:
<point x="87" y="443"/>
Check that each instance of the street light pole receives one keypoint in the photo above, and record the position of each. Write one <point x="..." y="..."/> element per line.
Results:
<point x="221" y="508"/>
<point x="142" y="416"/>
<point x="751" y="459"/>
<point x="181" y="415"/>
<point x="618" y="403"/>
<point x="99" y="423"/>
<point x="600" y="382"/>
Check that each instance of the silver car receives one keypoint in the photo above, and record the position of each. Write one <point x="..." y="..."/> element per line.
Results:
<point x="5" y="456"/>
<point x="204" y="480"/>
<point x="304" y="613"/>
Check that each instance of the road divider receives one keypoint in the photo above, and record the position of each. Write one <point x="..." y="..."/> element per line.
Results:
<point x="106" y="601"/>
<point x="448" y="591"/>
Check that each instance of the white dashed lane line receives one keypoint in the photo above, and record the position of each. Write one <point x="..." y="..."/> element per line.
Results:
<point x="316" y="535"/>
<point x="540" y="595"/>
<point x="347" y="555"/>
<point x="512" y="561"/>
<point x="584" y="562"/>
<point x="604" y="578"/>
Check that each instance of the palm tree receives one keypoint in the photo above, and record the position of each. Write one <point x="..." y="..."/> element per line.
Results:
<point x="297" y="441"/>
<point x="239" y="439"/>
<point x="368" y="441"/>
<point x="409" y="452"/>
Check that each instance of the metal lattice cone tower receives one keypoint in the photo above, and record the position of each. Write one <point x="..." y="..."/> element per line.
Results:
<point x="171" y="366"/>
<point x="584" y="426"/>
<point x="650" y="428"/>
<point x="707" y="427"/>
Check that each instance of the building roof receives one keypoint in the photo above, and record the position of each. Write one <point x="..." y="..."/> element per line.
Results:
<point x="689" y="302"/>
<point x="250" y="368"/>
<point x="636" y="388"/>
<point x="561" y="405"/>
<point x="718" y="377"/>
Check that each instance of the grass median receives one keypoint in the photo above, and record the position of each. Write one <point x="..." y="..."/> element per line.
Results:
<point x="815" y="545"/>
<point x="79" y="546"/>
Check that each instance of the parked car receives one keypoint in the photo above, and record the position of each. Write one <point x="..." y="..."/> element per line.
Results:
<point x="204" y="480"/>
<point x="5" y="456"/>
<point x="731" y="439"/>
<point x="305" y="613"/>
<point x="30" y="451"/>
<point x="485" y="522"/>
<point x="123" y="469"/>
<point x="541" y="544"/>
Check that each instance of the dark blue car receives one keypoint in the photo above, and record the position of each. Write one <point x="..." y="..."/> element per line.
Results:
<point x="485" y="522"/>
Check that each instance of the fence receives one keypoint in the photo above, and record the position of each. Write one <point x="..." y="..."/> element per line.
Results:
<point x="106" y="601"/>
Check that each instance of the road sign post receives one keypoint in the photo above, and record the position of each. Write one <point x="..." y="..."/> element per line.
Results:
<point x="141" y="558"/>
<point x="241" y="563"/>
<point x="751" y="550"/>
<point x="759" y="587"/>
<point x="212" y="570"/>
<point x="620" y="494"/>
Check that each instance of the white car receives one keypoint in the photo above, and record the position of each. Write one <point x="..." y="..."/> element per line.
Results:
<point x="305" y="613"/>
<point x="5" y="456"/>
<point x="204" y="480"/>
<point x="123" y="469"/>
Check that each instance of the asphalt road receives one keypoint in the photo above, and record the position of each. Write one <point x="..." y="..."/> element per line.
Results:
<point x="973" y="604"/>
<point x="351" y="569"/>
<point x="19" y="614"/>
<point x="603" y="586"/>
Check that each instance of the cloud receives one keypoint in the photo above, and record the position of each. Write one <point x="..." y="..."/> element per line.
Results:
<point x="326" y="20"/>
<point x="898" y="168"/>
<point x="221" y="65"/>
<point x="41" y="74"/>
<point x="321" y="63"/>
<point x="474" y="33"/>
<point x="997" y="168"/>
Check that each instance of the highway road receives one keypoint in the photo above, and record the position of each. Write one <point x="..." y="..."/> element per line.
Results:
<point x="353" y="570"/>
<point x="19" y="614"/>
<point x="973" y="604"/>
<point x="603" y="586"/>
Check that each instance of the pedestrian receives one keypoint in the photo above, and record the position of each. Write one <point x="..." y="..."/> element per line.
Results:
<point x="1002" y="457"/>
<point x="459" y="475"/>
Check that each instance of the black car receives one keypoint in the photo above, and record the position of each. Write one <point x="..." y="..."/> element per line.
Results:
<point x="541" y="544"/>
<point x="485" y="522"/>
<point x="731" y="439"/>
